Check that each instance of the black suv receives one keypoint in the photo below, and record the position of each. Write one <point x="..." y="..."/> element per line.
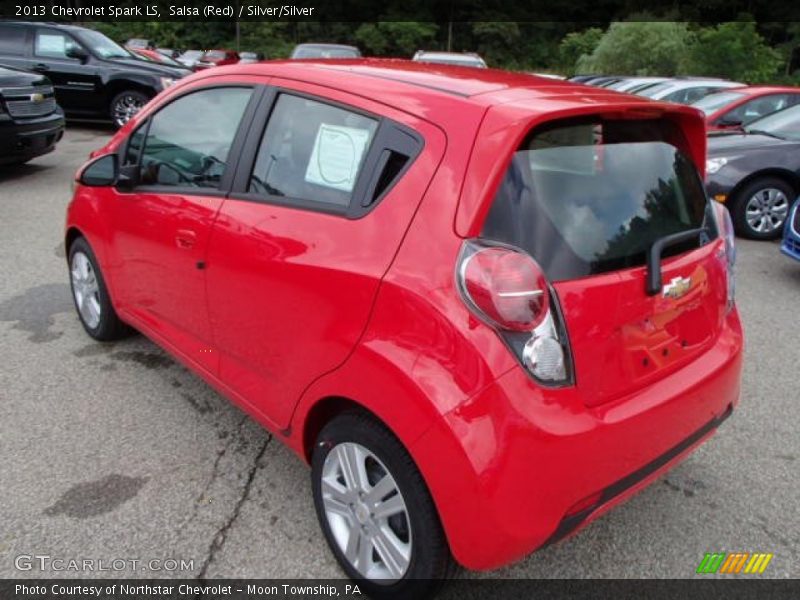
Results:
<point x="30" y="120"/>
<point x="93" y="76"/>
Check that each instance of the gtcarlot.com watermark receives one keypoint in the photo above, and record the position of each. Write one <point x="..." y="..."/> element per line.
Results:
<point x="45" y="562"/>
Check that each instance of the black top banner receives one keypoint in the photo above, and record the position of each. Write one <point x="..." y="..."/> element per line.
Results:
<point x="441" y="11"/>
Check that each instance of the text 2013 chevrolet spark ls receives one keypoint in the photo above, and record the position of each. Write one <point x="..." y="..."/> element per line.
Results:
<point x="485" y="307"/>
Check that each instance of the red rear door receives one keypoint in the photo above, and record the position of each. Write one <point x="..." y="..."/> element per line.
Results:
<point x="297" y="253"/>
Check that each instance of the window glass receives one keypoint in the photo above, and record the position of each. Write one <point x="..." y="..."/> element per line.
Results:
<point x="311" y="151"/>
<point x="188" y="141"/>
<point x="757" y="108"/>
<point x="53" y="44"/>
<point x="713" y="102"/>
<point x="12" y="40"/>
<point x="591" y="198"/>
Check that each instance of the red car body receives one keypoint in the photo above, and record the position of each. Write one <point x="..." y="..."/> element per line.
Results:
<point x="747" y="104"/>
<point x="217" y="58"/>
<point x="367" y="311"/>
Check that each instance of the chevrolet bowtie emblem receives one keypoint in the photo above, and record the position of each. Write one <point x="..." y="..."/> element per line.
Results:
<point x="37" y="98"/>
<point x="677" y="287"/>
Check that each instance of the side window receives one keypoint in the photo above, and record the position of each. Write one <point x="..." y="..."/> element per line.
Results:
<point x="53" y="44"/>
<point x="757" y="108"/>
<point x="188" y="140"/>
<point x="311" y="151"/>
<point x="12" y="40"/>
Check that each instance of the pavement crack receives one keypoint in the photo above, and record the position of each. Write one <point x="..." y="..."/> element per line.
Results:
<point x="218" y="541"/>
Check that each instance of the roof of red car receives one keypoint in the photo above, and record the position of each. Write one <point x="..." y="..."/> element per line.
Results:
<point x="390" y="75"/>
<point x="760" y="90"/>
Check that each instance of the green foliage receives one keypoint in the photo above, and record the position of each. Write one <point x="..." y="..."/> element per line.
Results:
<point x="733" y="50"/>
<point x="395" y="38"/>
<point x="496" y="40"/>
<point x="639" y="48"/>
<point x="576" y="45"/>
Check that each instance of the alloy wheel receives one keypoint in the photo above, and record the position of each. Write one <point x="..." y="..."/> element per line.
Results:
<point x="85" y="289"/>
<point x="125" y="108"/>
<point x="366" y="512"/>
<point x="766" y="210"/>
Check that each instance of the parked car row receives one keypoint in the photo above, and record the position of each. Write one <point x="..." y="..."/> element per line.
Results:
<point x="753" y="162"/>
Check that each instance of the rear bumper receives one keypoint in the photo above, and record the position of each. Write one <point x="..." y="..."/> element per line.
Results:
<point x="23" y="139"/>
<point x="518" y="467"/>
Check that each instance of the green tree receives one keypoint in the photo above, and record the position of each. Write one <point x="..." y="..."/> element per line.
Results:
<point x="640" y="48"/>
<point x="733" y="50"/>
<point x="395" y="38"/>
<point x="496" y="40"/>
<point x="576" y="45"/>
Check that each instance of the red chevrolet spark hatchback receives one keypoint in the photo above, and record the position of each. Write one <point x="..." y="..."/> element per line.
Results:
<point x="484" y="307"/>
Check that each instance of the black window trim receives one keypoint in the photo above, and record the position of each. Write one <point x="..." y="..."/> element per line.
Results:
<point x="234" y="152"/>
<point x="380" y="142"/>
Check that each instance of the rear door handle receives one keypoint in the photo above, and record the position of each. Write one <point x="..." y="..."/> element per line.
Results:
<point x="185" y="239"/>
<point x="41" y="67"/>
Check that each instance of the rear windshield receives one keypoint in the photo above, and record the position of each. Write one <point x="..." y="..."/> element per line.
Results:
<point x="592" y="197"/>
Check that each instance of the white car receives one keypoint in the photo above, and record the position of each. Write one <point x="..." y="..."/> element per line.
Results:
<point x="686" y="91"/>
<point x="463" y="59"/>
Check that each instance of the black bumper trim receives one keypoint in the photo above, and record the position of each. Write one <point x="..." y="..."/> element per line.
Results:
<point x="572" y="522"/>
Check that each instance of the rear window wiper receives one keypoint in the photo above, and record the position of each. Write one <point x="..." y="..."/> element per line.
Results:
<point x="654" y="282"/>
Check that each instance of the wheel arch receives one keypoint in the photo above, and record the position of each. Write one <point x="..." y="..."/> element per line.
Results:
<point x="788" y="176"/>
<point x="116" y="86"/>
<point x="72" y="234"/>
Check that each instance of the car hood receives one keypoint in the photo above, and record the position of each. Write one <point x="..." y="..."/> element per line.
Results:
<point x="148" y="67"/>
<point x="728" y="143"/>
<point x="10" y="77"/>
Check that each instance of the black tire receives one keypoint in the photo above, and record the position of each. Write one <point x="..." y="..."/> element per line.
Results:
<point x="743" y="196"/>
<point x="121" y="107"/>
<point x="109" y="326"/>
<point x="430" y="563"/>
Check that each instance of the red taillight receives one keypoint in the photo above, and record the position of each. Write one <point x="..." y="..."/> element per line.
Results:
<point x="508" y="287"/>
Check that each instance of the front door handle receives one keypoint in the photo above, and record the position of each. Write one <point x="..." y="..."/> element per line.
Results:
<point x="185" y="239"/>
<point x="41" y="67"/>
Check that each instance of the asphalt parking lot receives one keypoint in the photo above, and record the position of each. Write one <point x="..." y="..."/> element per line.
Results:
<point x="117" y="452"/>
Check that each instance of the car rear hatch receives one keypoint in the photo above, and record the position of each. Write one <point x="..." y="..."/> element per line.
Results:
<point x="591" y="199"/>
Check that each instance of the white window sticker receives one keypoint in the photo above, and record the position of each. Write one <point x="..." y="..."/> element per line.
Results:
<point x="336" y="156"/>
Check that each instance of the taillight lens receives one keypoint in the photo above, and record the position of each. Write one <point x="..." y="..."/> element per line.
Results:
<point x="508" y="290"/>
<point x="725" y="228"/>
<point x="508" y="287"/>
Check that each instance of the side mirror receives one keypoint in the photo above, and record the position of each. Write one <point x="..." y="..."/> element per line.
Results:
<point x="730" y="122"/>
<point x="102" y="172"/>
<point x="78" y="53"/>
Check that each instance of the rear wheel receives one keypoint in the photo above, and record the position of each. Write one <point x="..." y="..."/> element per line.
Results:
<point x="376" y="512"/>
<point x="90" y="295"/>
<point x="126" y="104"/>
<point x="760" y="208"/>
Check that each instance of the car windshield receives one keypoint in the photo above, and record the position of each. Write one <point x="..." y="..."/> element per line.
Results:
<point x="784" y="124"/>
<point x="589" y="198"/>
<point x="102" y="45"/>
<point x="655" y="88"/>
<point x="713" y="102"/>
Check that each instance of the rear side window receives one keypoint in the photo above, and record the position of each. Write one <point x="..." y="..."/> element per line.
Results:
<point x="311" y="152"/>
<point x="187" y="142"/>
<point x="12" y="40"/>
<point x="591" y="197"/>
